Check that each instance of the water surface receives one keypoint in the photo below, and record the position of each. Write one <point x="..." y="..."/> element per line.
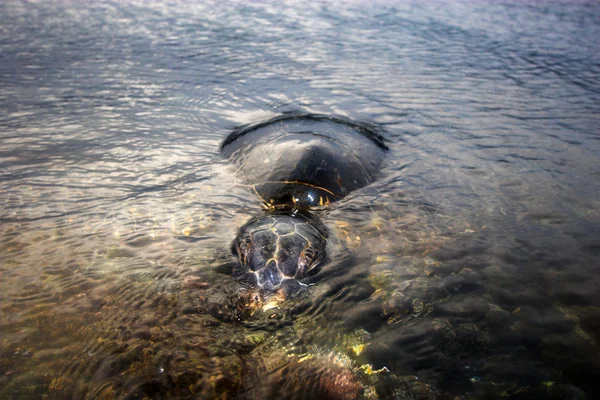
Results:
<point x="469" y="268"/>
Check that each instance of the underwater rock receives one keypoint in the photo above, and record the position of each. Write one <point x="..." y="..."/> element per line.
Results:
<point x="310" y="376"/>
<point x="470" y="308"/>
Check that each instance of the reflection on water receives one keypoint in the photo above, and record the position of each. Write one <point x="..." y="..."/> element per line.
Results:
<point x="468" y="268"/>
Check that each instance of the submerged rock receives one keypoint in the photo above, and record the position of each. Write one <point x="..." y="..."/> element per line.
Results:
<point x="308" y="376"/>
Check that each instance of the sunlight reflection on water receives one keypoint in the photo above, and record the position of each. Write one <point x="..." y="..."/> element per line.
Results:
<point x="469" y="267"/>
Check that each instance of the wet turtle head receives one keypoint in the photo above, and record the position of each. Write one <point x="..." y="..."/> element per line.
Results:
<point x="279" y="248"/>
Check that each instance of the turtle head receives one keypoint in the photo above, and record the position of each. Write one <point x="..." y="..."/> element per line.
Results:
<point x="277" y="248"/>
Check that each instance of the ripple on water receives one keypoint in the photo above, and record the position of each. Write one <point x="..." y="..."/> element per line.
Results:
<point x="468" y="269"/>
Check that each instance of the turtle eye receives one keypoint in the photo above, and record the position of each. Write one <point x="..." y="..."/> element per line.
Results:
<point x="306" y="261"/>
<point x="244" y="246"/>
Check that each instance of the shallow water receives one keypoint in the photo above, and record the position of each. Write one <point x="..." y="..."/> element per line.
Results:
<point x="469" y="268"/>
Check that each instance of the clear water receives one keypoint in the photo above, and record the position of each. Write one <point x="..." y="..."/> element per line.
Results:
<point x="470" y="268"/>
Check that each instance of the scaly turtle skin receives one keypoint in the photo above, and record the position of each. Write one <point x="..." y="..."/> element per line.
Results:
<point x="304" y="160"/>
<point x="277" y="248"/>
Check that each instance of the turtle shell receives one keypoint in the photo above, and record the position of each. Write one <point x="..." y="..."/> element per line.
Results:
<point x="305" y="159"/>
<point x="276" y="248"/>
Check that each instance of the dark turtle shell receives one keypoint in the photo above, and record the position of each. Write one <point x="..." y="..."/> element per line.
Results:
<point x="305" y="159"/>
<point x="276" y="248"/>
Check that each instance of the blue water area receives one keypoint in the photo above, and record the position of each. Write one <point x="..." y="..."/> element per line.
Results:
<point x="462" y="262"/>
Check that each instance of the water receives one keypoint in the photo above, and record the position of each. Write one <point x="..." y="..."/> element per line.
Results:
<point x="469" y="268"/>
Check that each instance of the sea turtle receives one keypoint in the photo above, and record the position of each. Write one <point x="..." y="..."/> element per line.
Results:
<point x="296" y="161"/>
<point x="279" y="247"/>
<point x="305" y="160"/>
